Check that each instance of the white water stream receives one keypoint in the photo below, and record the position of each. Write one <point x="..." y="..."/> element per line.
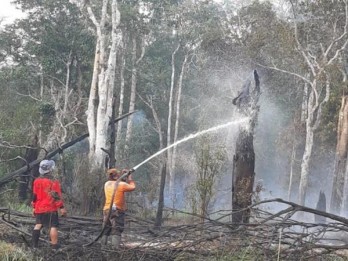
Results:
<point x="194" y="135"/>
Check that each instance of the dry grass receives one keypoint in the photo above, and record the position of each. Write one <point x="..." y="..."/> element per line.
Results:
<point x="11" y="252"/>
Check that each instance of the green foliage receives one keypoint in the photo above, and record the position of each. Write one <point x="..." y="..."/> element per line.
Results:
<point x="209" y="160"/>
<point x="47" y="113"/>
<point x="19" y="207"/>
<point x="39" y="47"/>
<point x="84" y="191"/>
<point x="46" y="110"/>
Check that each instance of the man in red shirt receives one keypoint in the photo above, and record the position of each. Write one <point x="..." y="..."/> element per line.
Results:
<point x="47" y="199"/>
<point x="115" y="222"/>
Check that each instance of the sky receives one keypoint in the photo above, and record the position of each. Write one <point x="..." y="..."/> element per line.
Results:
<point x="8" y="11"/>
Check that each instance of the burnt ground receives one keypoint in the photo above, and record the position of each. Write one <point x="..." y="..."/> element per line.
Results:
<point x="139" y="241"/>
<point x="268" y="237"/>
<point x="74" y="249"/>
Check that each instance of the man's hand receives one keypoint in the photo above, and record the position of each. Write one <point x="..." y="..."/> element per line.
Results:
<point x="63" y="212"/>
<point x="130" y="177"/>
<point x="33" y="213"/>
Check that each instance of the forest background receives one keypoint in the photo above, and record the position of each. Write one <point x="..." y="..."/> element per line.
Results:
<point x="68" y="67"/>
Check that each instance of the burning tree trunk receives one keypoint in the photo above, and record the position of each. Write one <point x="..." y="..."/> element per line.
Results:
<point x="244" y="158"/>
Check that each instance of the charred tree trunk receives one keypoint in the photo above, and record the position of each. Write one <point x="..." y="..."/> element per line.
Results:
<point x="321" y="205"/>
<point x="31" y="154"/>
<point x="243" y="176"/>
<point x="244" y="158"/>
<point x="159" y="214"/>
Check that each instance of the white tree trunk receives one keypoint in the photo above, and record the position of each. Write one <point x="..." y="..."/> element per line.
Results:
<point x="92" y="104"/>
<point x="291" y="174"/>
<point x="329" y="55"/>
<point x="135" y="62"/>
<point x="105" y="81"/>
<point x="41" y="98"/>
<point x="305" y="161"/>
<point x="176" y="126"/>
<point x="67" y="83"/>
<point x="106" y="89"/>
<point x="312" y="123"/>
<point x="121" y="101"/>
<point x="133" y="92"/>
<point x="340" y="177"/>
<point x="339" y="194"/>
<point x="98" y="63"/>
<point x="169" y="127"/>
<point x="304" y="107"/>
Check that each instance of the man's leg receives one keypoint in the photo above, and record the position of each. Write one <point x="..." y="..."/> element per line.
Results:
<point x="54" y="235"/>
<point x="36" y="235"/>
<point x="116" y="241"/>
<point x="53" y="224"/>
<point x="108" y="227"/>
<point x="118" y="226"/>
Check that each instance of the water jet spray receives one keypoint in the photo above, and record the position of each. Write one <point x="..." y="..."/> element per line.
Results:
<point x="192" y="136"/>
<point x="130" y="171"/>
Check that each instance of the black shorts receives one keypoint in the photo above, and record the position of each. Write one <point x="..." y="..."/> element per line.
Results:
<point x="49" y="219"/>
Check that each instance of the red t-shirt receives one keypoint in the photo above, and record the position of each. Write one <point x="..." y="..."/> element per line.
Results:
<point x="47" y="195"/>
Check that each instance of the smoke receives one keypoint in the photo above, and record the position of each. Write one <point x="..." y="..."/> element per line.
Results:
<point x="212" y="108"/>
<point x="273" y="154"/>
<point x="271" y="163"/>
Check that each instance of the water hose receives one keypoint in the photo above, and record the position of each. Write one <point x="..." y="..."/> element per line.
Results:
<point x="124" y="175"/>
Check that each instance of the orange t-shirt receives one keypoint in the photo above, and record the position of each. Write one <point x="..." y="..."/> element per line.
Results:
<point x="119" y="198"/>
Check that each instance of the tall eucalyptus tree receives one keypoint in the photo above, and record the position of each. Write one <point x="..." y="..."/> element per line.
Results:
<point x="320" y="52"/>
<point x="103" y="80"/>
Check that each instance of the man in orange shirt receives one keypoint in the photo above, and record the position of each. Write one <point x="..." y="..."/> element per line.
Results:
<point x="115" y="192"/>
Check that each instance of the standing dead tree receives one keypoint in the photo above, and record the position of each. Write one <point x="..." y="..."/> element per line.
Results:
<point x="244" y="159"/>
